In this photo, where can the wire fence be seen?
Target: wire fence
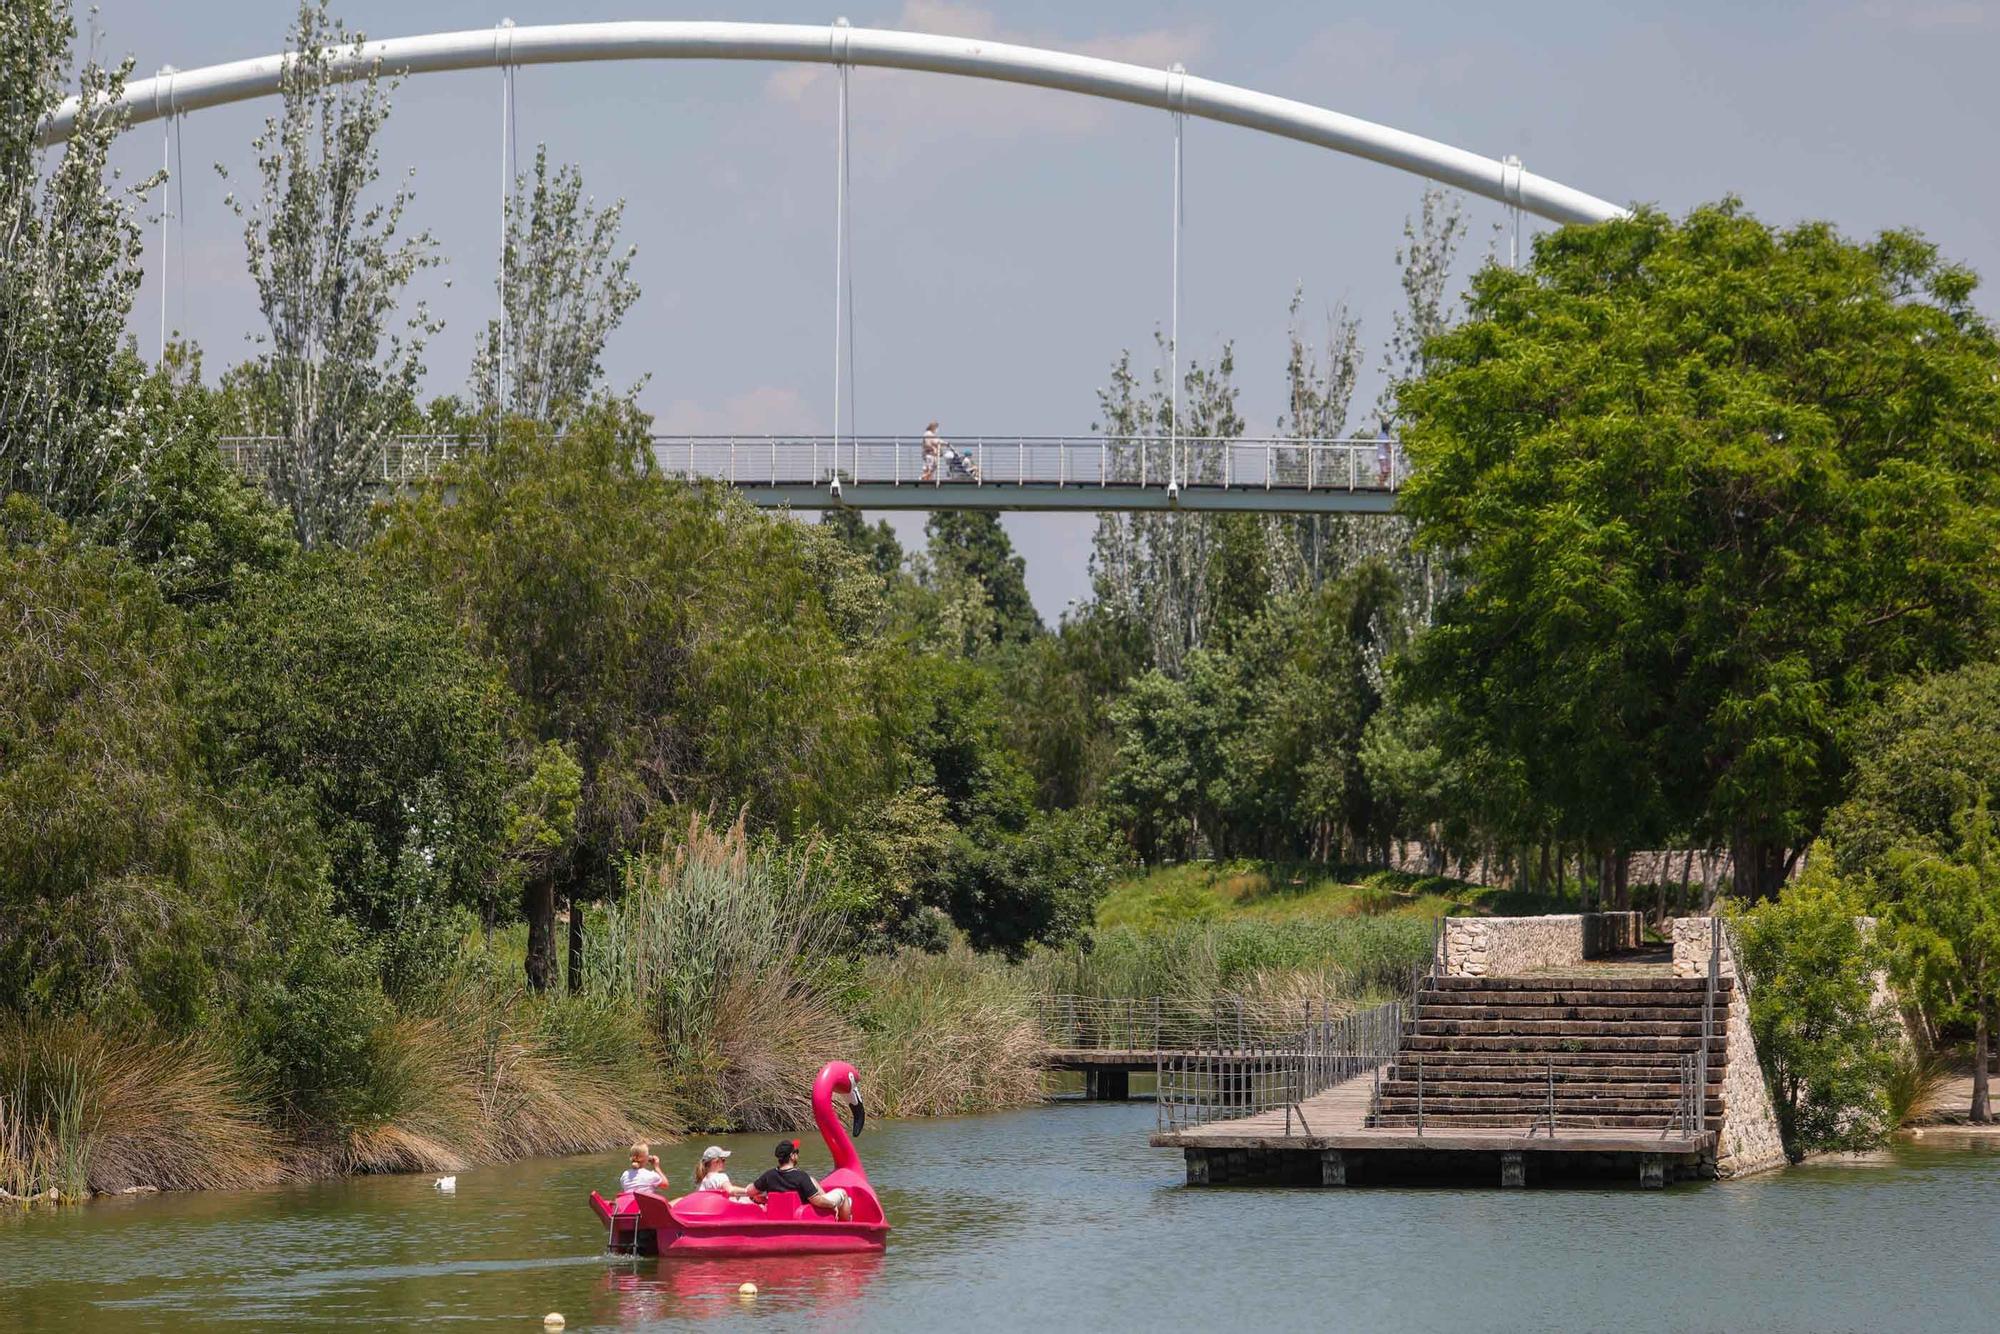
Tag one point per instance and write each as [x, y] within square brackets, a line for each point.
[1277, 1072]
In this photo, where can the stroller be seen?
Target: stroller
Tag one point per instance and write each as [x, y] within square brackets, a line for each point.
[960, 464]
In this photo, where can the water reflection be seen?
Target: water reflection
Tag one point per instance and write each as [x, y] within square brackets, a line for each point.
[685, 1286]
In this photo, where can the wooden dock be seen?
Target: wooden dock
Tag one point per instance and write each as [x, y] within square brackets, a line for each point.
[1326, 1140]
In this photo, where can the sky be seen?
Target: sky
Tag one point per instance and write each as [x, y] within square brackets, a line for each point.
[1009, 242]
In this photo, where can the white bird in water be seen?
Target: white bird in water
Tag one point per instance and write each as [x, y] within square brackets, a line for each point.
[446, 1184]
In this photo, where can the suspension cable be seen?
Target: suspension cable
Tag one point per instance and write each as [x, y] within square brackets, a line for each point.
[837, 43]
[1177, 77]
[503, 42]
[847, 254]
[167, 173]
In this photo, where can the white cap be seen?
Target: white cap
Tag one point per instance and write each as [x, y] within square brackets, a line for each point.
[714, 1151]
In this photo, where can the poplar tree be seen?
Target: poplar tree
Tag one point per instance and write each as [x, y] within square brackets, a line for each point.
[564, 286]
[69, 269]
[332, 381]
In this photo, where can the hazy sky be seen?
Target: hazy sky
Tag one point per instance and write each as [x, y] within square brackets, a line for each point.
[1008, 242]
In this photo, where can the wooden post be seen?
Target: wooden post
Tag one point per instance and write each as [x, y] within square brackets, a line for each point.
[1332, 1167]
[1197, 1166]
[1652, 1171]
[1513, 1171]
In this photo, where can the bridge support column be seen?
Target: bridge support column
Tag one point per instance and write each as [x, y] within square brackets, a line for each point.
[1652, 1171]
[1107, 1085]
[1513, 1171]
[1332, 1167]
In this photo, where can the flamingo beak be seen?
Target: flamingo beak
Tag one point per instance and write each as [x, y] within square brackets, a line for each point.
[860, 1112]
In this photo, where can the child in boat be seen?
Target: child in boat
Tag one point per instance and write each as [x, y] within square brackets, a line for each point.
[788, 1175]
[710, 1176]
[644, 1173]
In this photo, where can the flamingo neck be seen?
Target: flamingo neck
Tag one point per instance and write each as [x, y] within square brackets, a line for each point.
[838, 1144]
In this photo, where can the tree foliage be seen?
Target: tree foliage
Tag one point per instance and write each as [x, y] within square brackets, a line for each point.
[69, 253]
[564, 286]
[332, 382]
[1710, 488]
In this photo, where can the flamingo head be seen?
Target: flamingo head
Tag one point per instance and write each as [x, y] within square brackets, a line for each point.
[844, 1082]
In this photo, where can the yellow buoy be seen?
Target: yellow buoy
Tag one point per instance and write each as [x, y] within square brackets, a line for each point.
[553, 1320]
[747, 1290]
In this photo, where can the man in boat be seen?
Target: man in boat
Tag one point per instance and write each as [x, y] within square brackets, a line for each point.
[788, 1175]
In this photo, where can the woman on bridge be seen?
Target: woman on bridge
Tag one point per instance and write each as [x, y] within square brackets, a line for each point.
[933, 451]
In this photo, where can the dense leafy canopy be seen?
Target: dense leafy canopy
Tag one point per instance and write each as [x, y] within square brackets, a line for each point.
[1707, 489]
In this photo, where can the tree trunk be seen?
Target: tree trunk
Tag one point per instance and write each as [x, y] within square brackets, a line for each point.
[1621, 871]
[1981, 1035]
[538, 905]
[575, 943]
[1759, 868]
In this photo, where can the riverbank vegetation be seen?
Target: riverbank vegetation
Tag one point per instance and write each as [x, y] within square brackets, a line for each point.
[548, 801]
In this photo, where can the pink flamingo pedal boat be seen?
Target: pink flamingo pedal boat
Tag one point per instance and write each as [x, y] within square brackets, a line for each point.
[709, 1222]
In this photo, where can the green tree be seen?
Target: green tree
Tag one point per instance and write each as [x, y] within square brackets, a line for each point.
[1710, 488]
[673, 640]
[331, 383]
[357, 691]
[970, 545]
[875, 543]
[564, 286]
[69, 268]
[1944, 917]
[1826, 1047]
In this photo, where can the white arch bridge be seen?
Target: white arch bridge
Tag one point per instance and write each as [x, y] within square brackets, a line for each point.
[880, 472]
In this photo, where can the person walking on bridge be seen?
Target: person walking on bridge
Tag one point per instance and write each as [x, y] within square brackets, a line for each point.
[933, 451]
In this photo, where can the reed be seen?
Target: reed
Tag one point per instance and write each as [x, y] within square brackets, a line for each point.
[733, 954]
[948, 1033]
[1914, 1085]
[83, 1110]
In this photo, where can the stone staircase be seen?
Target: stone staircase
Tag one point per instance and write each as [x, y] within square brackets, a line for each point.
[1606, 1049]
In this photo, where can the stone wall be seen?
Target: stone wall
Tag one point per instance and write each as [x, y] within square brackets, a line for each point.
[1509, 946]
[1750, 1141]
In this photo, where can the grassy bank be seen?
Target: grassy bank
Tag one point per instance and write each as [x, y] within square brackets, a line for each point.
[1278, 892]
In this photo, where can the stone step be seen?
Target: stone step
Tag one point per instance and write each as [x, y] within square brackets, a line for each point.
[1561, 996]
[1613, 1064]
[1563, 1029]
[1528, 1107]
[1472, 1121]
[1558, 1043]
[1405, 1085]
[1694, 984]
[1646, 1082]
[1678, 1014]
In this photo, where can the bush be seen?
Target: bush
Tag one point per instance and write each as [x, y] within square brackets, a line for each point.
[1827, 1048]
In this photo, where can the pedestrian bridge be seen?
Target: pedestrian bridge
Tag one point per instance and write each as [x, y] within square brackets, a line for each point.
[1095, 473]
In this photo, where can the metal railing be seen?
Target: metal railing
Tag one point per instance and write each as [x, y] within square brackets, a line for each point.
[1168, 1023]
[1255, 463]
[1278, 1072]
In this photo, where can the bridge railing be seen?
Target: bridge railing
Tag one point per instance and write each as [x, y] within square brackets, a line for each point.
[1277, 1072]
[1169, 1023]
[1272, 463]
[1268, 463]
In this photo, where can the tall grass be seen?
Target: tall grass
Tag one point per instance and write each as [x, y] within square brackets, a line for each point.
[1354, 957]
[948, 1033]
[1915, 1085]
[82, 1110]
[733, 954]
[487, 1073]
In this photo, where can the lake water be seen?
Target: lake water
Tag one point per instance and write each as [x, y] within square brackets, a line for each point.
[1054, 1218]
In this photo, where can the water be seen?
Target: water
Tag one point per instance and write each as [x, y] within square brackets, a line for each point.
[1055, 1218]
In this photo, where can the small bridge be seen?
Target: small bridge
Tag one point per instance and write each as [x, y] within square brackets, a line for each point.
[1246, 1046]
[1093, 473]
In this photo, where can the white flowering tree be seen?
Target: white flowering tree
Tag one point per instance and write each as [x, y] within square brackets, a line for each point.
[565, 284]
[69, 269]
[330, 264]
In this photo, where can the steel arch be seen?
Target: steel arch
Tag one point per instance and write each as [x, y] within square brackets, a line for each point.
[178, 92]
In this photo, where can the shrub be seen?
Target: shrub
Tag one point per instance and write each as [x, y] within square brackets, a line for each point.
[1826, 1046]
